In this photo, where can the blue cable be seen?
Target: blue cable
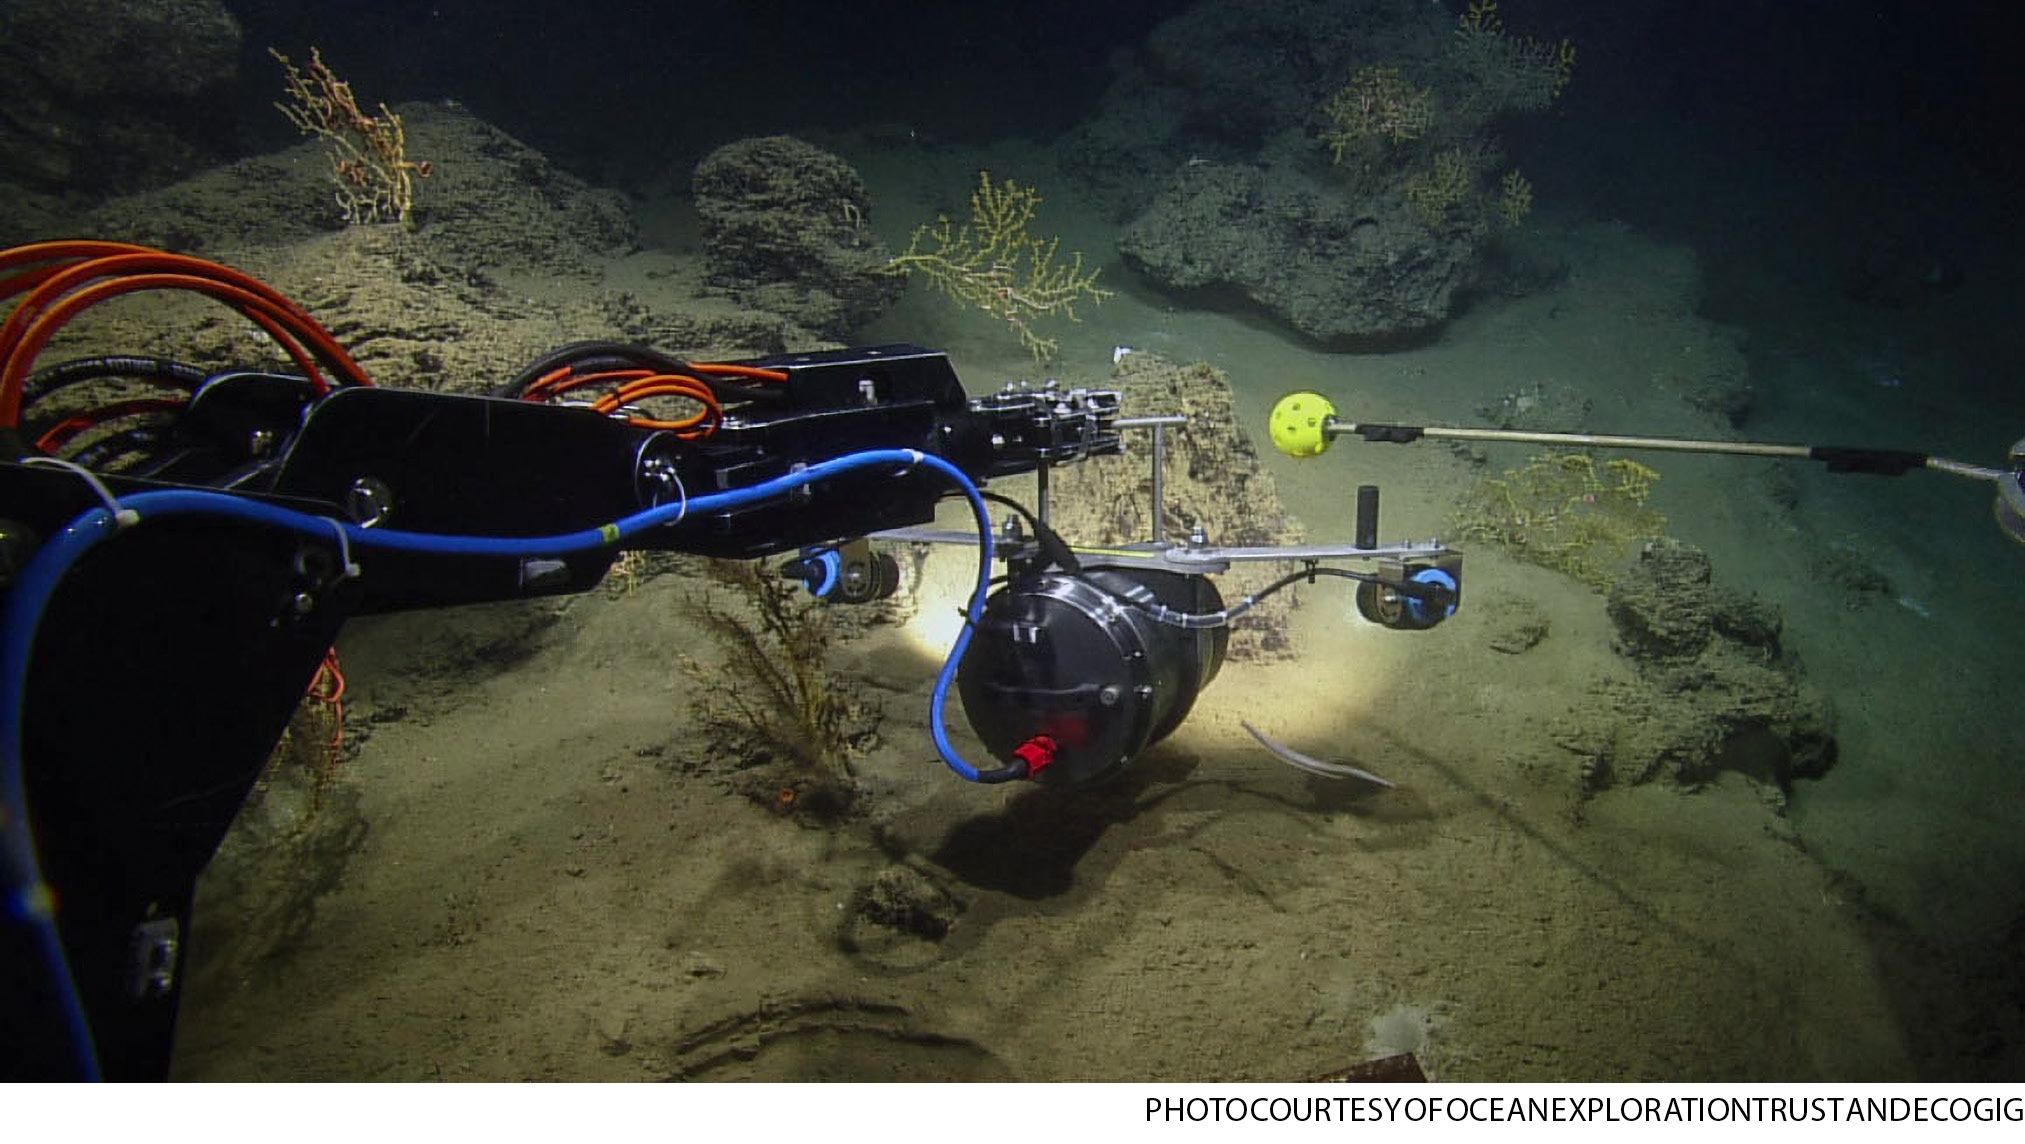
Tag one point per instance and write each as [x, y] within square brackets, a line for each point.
[28, 897]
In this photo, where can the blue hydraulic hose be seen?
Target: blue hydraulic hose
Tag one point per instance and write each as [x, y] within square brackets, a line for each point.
[28, 897]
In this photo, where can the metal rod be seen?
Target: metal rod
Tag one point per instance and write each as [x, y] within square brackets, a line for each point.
[1159, 464]
[1335, 427]
[1964, 469]
[1159, 425]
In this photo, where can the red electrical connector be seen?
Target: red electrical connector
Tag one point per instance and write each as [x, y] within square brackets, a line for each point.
[1037, 753]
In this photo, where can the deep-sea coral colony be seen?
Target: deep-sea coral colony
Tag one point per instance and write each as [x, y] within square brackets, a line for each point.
[1515, 198]
[1511, 74]
[1565, 511]
[1443, 184]
[773, 689]
[994, 264]
[1372, 120]
[368, 153]
[1377, 105]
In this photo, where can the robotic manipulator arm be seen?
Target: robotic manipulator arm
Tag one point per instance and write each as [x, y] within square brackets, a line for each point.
[179, 548]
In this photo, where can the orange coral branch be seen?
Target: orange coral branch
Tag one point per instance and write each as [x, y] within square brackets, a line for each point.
[368, 153]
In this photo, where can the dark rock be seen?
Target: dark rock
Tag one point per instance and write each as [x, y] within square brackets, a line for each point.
[1712, 691]
[495, 204]
[1844, 567]
[1219, 139]
[1898, 269]
[102, 96]
[1663, 606]
[1727, 398]
[1340, 270]
[1518, 627]
[786, 230]
[1217, 79]
[903, 898]
[1560, 408]
[1747, 619]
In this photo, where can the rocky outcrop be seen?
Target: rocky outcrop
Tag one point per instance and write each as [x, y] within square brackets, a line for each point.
[1336, 164]
[1362, 273]
[785, 229]
[509, 258]
[102, 96]
[1711, 688]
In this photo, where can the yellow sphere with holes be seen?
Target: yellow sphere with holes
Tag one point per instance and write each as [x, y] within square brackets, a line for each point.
[1298, 422]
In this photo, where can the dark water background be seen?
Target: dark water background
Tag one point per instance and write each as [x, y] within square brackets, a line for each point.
[1769, 137]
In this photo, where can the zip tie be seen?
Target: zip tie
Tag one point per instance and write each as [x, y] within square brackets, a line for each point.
[681, 491]
[122, 516]
[350, 569]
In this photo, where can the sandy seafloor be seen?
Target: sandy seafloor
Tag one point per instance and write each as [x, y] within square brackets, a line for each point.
[541, 894]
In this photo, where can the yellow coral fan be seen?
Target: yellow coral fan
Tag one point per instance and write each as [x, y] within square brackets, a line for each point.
[1511, 74]
[1565, 511]
[1377, 104]
[1479, 20]
[1515, 198]
[1447, 183]
[995, 265]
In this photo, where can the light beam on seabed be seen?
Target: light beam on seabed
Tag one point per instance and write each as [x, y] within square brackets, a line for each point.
[1341, 670]
[943, 591]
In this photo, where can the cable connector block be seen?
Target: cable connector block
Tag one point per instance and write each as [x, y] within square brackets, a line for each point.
[1038, 753]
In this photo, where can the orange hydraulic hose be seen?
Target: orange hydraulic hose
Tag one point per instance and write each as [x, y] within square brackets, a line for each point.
[38, 331]
[560, 381]
[75, 265]
[731, 370]
[327, 686]
[631, 385]
[46, 291]
[63, 251]
[701, 423]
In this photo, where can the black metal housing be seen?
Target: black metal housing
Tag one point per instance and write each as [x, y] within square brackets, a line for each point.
[1065, 656]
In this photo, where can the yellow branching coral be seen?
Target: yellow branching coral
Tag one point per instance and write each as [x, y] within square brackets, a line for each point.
[1377, 104]
[1432, 146]
[1443, 185]
[1479, 22]
[995, 265]
[1513, 74]
[368, 153]
[1565, 511]
[1515, 198]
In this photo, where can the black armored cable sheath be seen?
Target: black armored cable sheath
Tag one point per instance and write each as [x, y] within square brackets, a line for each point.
[1054, 550]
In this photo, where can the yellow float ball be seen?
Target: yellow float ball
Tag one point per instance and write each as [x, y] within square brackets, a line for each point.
[1297, 424]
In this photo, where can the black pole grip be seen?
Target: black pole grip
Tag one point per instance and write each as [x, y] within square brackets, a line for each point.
[1881, 462]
